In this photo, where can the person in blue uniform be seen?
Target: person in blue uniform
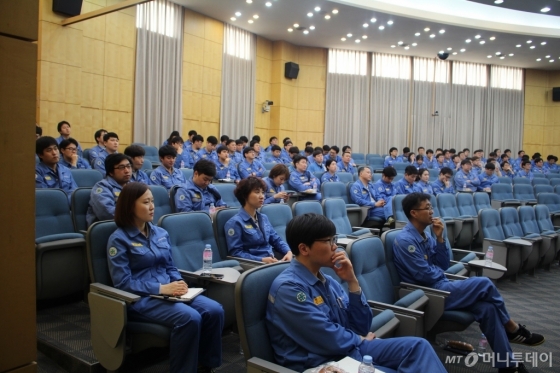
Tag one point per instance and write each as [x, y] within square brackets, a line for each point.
[64, 130]
[225, 168]
[487, 178]
[406, 184]
[312, 320]
[187, 145]
[447, 161]
[476, 166]
[209, 151]
[316, 163]
[136, 154]
[285, 153]
[438, 163]
[198, 193]
[275, 191]
[429, 160]
[304, 181]
[105, 193]
[184, 159]
[271, 142]
[111, 143]
[362, 193]
[525, 171]
[195, 148]
[333, 154]
[275, 155]
[423, 185]
[94, 152]
[249, 234]
[345, 165]
[420, 259]
[259, 154]
[70, 158]
[404, 156]
[48, 172]
[507, 170]
[551, 163]
[391, 158]
[140, 262]
[516, 163]
[166, 174]
[331, 175]
[443, 184]
[172, 135]
[250, 166]
[465, 180]
[385, 190]
[539, 168]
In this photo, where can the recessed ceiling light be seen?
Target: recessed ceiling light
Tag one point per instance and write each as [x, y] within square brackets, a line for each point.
[529, 41]
[551, 61]
[249, 1]
[296, 25]
[306, 32]
[492, 38]
[400, 43]
[268, 3]
[389, 22]
[310, 14]
[382, 27]
[441, 51]
[502, 57]
[407, 47]
[518, 46]
[366, 25]
[547, 56]
[417, 34]
[538, 59]
[498, 1]
[233, 19]
[343, 39]
[532, 47]
[449, 49]
[373, 20]
[349, 35]
[543, 43]
[498, 53]
[250, 21]
[477, 37]
[256, 16]
[238, 14]
[462, 50]
[433, 36]
[317, 9]
[427, 29]
[327, 16]
[468, 41]
[312, 28]
[489, 56]
[511, 54]
[357, 40]
[335, 11]
[482, 42]
[364, 36]
[290, 29]
[545, 9]
[442, 31]
[454, 53]
[414, 44]
[393, 46]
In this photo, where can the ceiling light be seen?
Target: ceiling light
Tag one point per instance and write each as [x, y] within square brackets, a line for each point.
[327, 16]
[501, 58]
[427, 29]
[462, 50]
[538, 59]
[417, 34]
[489, 56]
[357, 40]
[310, 14]
[532, 47]
[256, 16]
[400, 43]
[482, 42]
[477, 37]
[545, 9]
[441, 52]
[290, 29]
[492, 38]
[442, 31]
[543, 43]
[343, 39]
[312, 28]
[547, 56]
[233, 19]
[449, 49]
[529, 41]
[498, 53]
[414, 44]
[518, 46]
[238, 14]
[335, 11]
[468, 41]
[551, 61]
[498, 1]
[296, 25]
[364, 37]
[317, 9]
[433, 36]
[393, 46]
[389, 22]
[365, 25]
[382, 27]
[306, 32]
[407, 47]
[250, 21]
[268, 3]
[373, 20]
[511, 54]
[454, 53]
[349, 35]
[249, 1]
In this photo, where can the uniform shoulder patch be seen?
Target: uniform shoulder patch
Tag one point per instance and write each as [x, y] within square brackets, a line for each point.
[113, 251]
[231, 232]
[153, 177]
[411, 248]
[182, 197]
[98, 190]
[36, 176]
[301, 297]
[99, 163]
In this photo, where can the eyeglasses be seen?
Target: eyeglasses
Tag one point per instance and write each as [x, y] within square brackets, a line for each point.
[331, 241]
[123, 166]
[71, 149]
[427, 208]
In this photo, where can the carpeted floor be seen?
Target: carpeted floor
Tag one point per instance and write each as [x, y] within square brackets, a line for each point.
[531, 301]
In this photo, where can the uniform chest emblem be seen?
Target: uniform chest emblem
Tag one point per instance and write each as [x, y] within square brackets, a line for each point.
[98, 190]
[197, 195]
[318, 300]
[153, 178]
[182, 197]
[301, 297]
[380, 189]
[248, 226]
[47, 177]
[112, 251]
[136, 244]
[230, 232]
[411, 249]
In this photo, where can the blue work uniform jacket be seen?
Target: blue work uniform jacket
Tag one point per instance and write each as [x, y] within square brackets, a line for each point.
[94, 153]
[403, 187]
[141, 177]
[439, 187]
[222, 171]
[525, 174]
[103, 200]
[99, 162]
[302, 181]
[245, 239]
[346, 168]
[316, 167]
[46, 177]
[389, 161]
[273, 159]
[189, 197]
[487, 181]
[271, 190]
[184, 160]
[327, 177]
[82, 164]
[246, 169]
[160, 176]
[80, 152]
[470, 180]
[423, 187]
[205, 154]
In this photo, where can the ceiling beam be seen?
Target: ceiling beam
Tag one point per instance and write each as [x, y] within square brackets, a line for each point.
[102, 11]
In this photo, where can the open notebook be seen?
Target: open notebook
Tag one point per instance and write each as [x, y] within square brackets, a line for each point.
[185, 298]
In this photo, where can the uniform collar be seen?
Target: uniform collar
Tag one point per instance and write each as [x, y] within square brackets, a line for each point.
[303, 272]
[133, 231]
[113, 182]
[412, 230]
[245, 216]
[47, 168]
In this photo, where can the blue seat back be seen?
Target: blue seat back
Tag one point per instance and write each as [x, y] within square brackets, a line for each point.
[490, 224]
[434, 202]
[376, 177]
[523, 192]
[226, 191]
[334, 190]
[541, 188]
[502, 192]
[521, 180]
[86, 178]
[269, 165]
[376, 162]
[505, 180]
[345, 177]
[161, 202]
[52, 213]
[398, 177]
[433, 174]
[542, 214]
[528, 220]
[80, 204]
[220, 220]
[537, 175]
[552, 200]
[307, 207]
[318, 174]
[481, 201]
[335, 210]
[388, 238]
[359, 158]
[557, 189]
[147, 165]
[400, 166]
[251, 299]
[465, 204]
[279, 215]
[368, 259]
[187, 173]
[398, 211]
[447, 205]
[510, 222]
[85, 154]
[151, 153]
[540, 180]
[97, 238]
[554, 181]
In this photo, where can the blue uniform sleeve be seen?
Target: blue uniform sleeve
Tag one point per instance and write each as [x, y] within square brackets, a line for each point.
[99, 165]
[243, 172]
[102, 202]
[183, 201]
[297, 185]
[234, 240]
[357, 197]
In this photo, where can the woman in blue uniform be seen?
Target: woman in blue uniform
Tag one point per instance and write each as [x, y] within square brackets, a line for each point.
[275, 191]
[140, 262]
[249, 234]
[423, 183]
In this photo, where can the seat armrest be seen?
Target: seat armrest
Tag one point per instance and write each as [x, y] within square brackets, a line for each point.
[533, 239]
[461, 218]
[477, 253]
[188, 274]
[374, 231]
[495, 242]
[425, 289]
[247, 261]
[395, 309]
[517, 242]
[256, 364]
[112, 292]
[61, 244]
[455, 277]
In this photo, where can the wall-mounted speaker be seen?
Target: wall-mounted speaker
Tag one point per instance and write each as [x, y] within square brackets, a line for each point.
[556, 94]
[291, 70]
[67, 7]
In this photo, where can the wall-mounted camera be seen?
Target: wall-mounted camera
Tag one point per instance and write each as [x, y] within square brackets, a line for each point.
[266, 106]
[435, 114]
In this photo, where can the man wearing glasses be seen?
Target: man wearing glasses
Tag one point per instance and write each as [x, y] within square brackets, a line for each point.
[104, 194]
[443, 184]
[422, 260]
[311, 319]
[48, 172]
[70, 158]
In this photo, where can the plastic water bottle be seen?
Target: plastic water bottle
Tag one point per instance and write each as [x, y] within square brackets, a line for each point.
[182, 164]
[207, 260]
[489, 256]
[482, 345]
[465, 186]
[212, 209]
[366, 366]
[314, 185]
[228, 175]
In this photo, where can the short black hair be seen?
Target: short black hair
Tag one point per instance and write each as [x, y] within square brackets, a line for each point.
[246, 186]
[197, 138]
[362, 169]
[410, 170]
[329, 161]
[247, 150]
[306, 229]
[229, 141]
[64, 143]
[466, 150]
[224, 138]
[238, 142]
[308, 143]
[114, 159]
[275, 147]
[439, 155]
[465, 161]
[192, 133]
[294, 150]
[446, 171]
[220, 149]
[172, 135]
[552, 157]
[298, 158]
[212, 140]
[335, 148]
[288, 142]
[539, 159]
[389, 172]
[272, 138]
[420, 147]
[61, 123]
[205, 167]
[253, 142]
[244, 139]
[521, 151]
[490, 166]
[326, 148]
[38, 131]
[309, 150]
[176, 140]
[429, 151]
[110, 135]
[167, 150]
[44, 142]
[346, 147]
[412, 201]
[98, 133]
[393, 149]
[406, 149]
[452, 151]
[134, 151]
[317, 152]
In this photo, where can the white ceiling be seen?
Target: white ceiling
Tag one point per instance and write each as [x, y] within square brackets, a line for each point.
[460, 19]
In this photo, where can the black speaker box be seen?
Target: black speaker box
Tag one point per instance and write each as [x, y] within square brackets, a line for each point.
[291, 71]
[556, 94]
[67, 7]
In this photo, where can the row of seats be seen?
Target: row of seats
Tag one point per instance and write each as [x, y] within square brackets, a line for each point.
[524, 194]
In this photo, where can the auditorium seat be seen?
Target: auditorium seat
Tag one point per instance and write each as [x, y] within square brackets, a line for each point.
[86, 178]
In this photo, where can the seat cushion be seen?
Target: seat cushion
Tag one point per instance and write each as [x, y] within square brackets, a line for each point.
[135, 327]
[226, 264]
[408, 299]
[383, 318]
[459, 316]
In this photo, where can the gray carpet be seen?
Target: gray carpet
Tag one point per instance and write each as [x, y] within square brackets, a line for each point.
[530, 301]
